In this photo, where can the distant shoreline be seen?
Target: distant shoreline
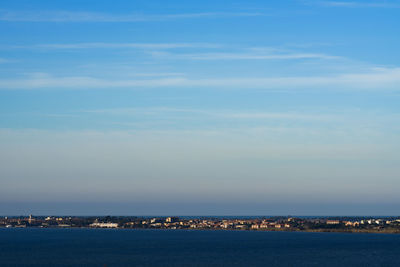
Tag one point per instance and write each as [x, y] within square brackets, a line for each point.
[272, 224]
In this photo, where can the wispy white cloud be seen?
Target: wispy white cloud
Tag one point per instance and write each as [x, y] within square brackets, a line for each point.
[251, 53]
[220, 113]
[75, 16]
[43, 80]
[157, 74]
[246, 56]
[157, 50]
[361, 4]
[276, 115]
[3, 60]
[375, 79]
[121, 45]
[245, 53]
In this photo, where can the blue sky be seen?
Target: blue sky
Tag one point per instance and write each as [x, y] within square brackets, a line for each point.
[206, 108]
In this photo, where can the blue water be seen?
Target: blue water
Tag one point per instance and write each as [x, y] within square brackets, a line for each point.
[96, 247]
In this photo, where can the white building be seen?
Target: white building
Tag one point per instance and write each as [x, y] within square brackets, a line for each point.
[104, 225]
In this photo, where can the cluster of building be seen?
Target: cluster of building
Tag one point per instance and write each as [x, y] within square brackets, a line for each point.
[206, 223]
[273, 223]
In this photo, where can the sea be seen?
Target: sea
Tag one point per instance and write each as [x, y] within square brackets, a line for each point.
[120, 247]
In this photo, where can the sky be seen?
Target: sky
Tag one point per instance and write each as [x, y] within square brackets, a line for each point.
[199, 107]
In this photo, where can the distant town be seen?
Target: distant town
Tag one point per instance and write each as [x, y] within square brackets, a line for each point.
[309, 224]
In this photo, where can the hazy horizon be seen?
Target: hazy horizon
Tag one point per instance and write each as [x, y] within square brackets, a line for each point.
[211, 108]
[202, 210]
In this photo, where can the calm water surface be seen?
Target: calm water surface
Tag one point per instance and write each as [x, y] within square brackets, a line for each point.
[96, 247]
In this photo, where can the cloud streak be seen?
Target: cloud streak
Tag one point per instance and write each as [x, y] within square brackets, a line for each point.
[363, 4]
[247, 56]
[100, 45]
[222, 114]
[71, 16]
[376, 79]
[3, 60]
[269, 53]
